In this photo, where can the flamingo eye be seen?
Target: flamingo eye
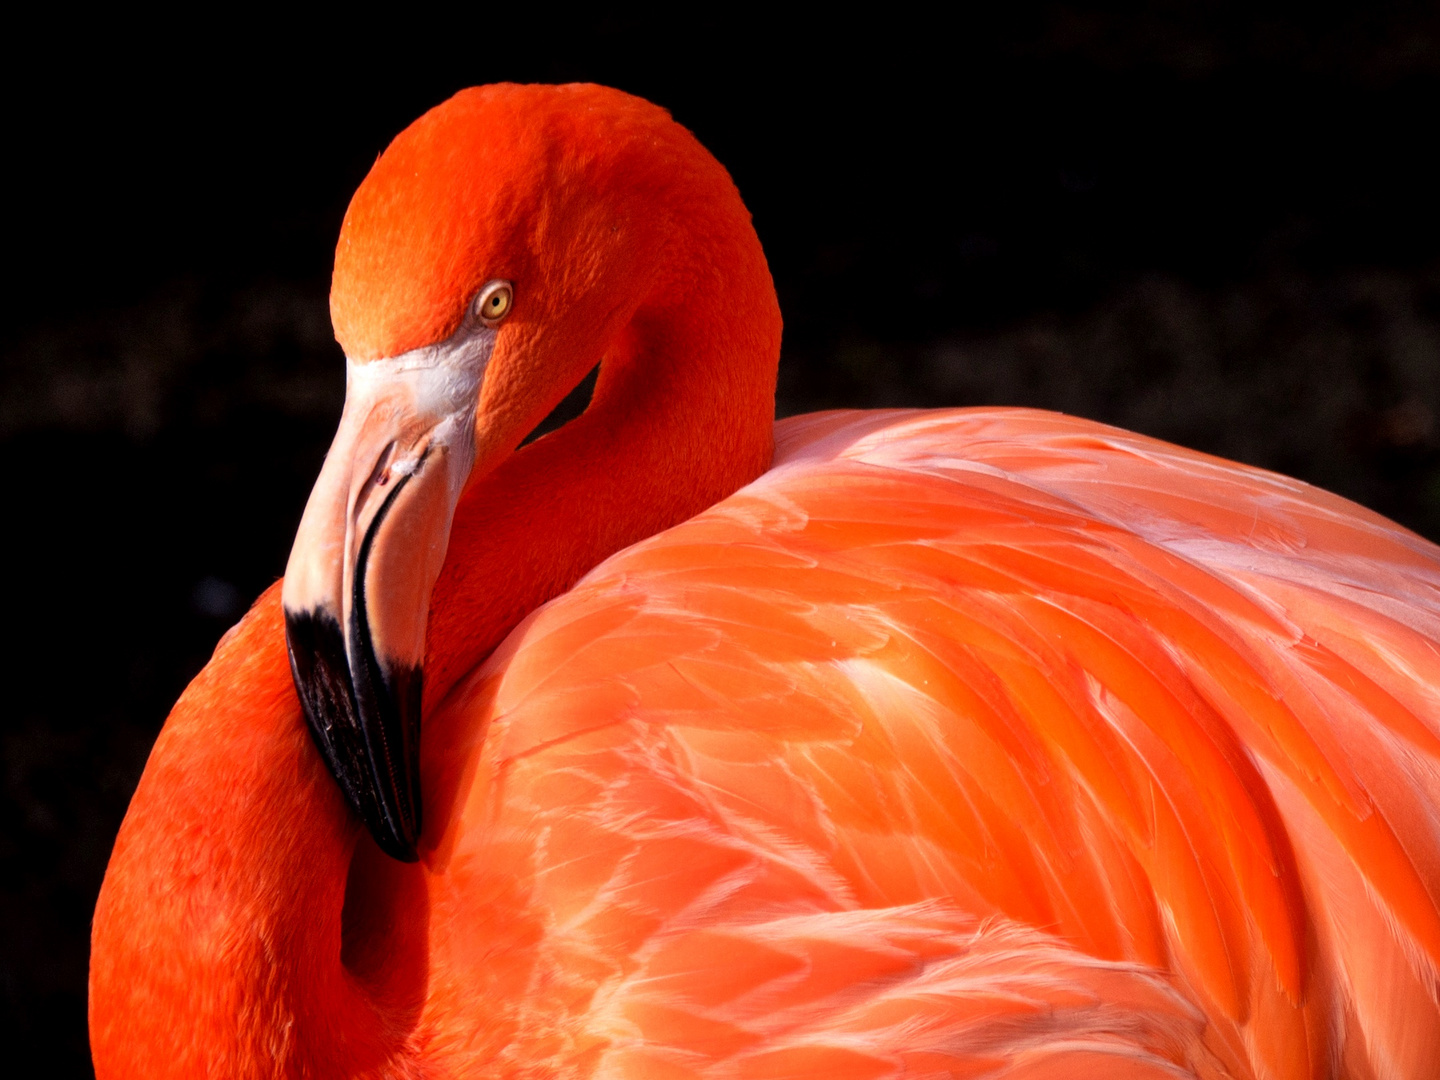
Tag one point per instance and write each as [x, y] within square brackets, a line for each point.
[494, 301]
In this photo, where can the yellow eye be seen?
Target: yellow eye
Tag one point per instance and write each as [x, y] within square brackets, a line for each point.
[494, 301]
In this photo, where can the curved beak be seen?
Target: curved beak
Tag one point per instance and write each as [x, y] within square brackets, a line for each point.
[357, 587]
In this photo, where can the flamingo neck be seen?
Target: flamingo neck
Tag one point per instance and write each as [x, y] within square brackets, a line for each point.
[682, 416]
[217, 940]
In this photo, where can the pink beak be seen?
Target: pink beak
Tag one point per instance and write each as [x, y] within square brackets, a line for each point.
[368, 551]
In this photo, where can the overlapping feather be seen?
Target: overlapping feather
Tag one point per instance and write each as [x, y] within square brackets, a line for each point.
[984, 742]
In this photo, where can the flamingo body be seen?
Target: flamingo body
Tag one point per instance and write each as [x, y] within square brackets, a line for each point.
[959, 741]
[970, 743]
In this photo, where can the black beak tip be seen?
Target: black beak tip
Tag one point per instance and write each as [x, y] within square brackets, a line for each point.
[365, 722]
[398, 847]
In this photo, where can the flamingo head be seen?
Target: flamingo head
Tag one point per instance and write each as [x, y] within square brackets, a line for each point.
[494, 252]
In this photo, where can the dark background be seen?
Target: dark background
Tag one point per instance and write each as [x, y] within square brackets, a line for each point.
[1212, 223]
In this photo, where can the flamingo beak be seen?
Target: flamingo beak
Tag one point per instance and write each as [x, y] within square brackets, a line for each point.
[357, 587]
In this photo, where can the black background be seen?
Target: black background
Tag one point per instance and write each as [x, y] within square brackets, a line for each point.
[1212, 223]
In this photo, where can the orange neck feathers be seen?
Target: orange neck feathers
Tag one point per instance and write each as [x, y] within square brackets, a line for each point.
[628, 245]
[216, 942]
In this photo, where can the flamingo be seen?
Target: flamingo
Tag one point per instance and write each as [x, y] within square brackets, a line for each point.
[682, 743]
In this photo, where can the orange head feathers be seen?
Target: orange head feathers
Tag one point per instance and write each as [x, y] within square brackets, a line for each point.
[572, 190]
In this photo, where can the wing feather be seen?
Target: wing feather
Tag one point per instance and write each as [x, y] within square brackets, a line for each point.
[968, 743]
